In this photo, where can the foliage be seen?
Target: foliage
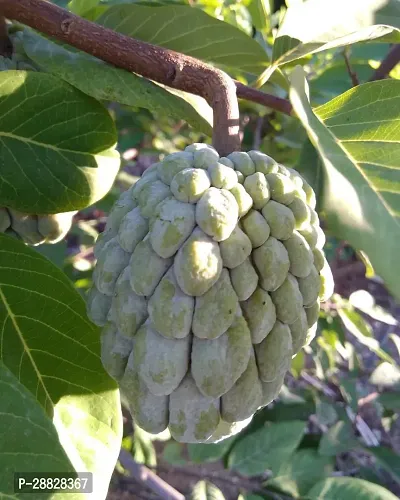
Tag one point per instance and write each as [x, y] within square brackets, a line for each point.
[76, 131]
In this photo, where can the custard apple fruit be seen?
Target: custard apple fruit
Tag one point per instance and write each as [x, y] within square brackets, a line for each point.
[35, 229]
[209, 278]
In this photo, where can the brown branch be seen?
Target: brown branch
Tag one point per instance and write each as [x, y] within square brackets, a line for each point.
[155, 63]
[386, 66]
[148, 478]
[271, 101]
[352, 74]
[6, 47]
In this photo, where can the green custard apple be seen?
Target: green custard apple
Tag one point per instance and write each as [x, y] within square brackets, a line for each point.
[209, 278]
[35, 229]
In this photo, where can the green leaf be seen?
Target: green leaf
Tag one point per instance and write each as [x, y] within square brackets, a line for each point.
[298, 363]
[390, 401]
[56, 145]
[298, 474]
[200, 453]
[172, 454]
[260, 11]
[190, 31]
[360, 329]
[266, 448]
[53, 349]
[325, 412]
[142, 448]
[80, 7]
[339, 438]
[29, 441]
[108, 83]
[318, 25]
[358, 140]
[203, 490]
[348, 488]
[386, 376]
[387, 459]
[365, 302]
[310, 166]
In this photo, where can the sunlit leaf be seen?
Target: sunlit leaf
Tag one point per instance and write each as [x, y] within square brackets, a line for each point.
[358, 140]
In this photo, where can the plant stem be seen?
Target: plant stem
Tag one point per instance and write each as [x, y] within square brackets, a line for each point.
[386, 66]
[155, 63]
[149, 478]
[5, 43]
[352, 74]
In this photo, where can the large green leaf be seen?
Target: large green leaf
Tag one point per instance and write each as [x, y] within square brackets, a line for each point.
[190, 31]
[317, 25]
[339, 438]
[357, 137]
[48, 343]
[109, 83]
[387, 459]
[348, 488]
[56, 145]
[298, 474]
[28, 439]
[200, 453]
[266, 448]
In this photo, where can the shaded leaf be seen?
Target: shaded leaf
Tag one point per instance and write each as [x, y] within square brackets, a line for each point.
[387, 459]
[53, 349]
[339, 438]
[109, 83]
[357, 138]
[200, 453]
[298, 474]
[266, 448]
[190, 31]
[67, 163]
[390, 400]
[326, 413]
[348, 488]
[172, 454]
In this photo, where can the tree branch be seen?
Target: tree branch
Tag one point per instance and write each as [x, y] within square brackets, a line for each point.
[155, 63]
[6, 47]
[386, 66]
[352, 74]
[147, 477]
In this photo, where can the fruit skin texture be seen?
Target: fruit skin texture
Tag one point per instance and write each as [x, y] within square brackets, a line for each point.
[35, 229]
[208, 281]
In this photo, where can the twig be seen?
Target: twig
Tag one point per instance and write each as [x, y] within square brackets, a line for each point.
[6, 47]
[366, 433]
[353, 75]
[268, 100]
[258, 133]
[386, 66]
[318, 385]
[149, 478]
[156, 63]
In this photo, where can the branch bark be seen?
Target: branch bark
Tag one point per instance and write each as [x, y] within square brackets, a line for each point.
[386, 66]
[5, 43]
[147, 477]
[155, 63]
